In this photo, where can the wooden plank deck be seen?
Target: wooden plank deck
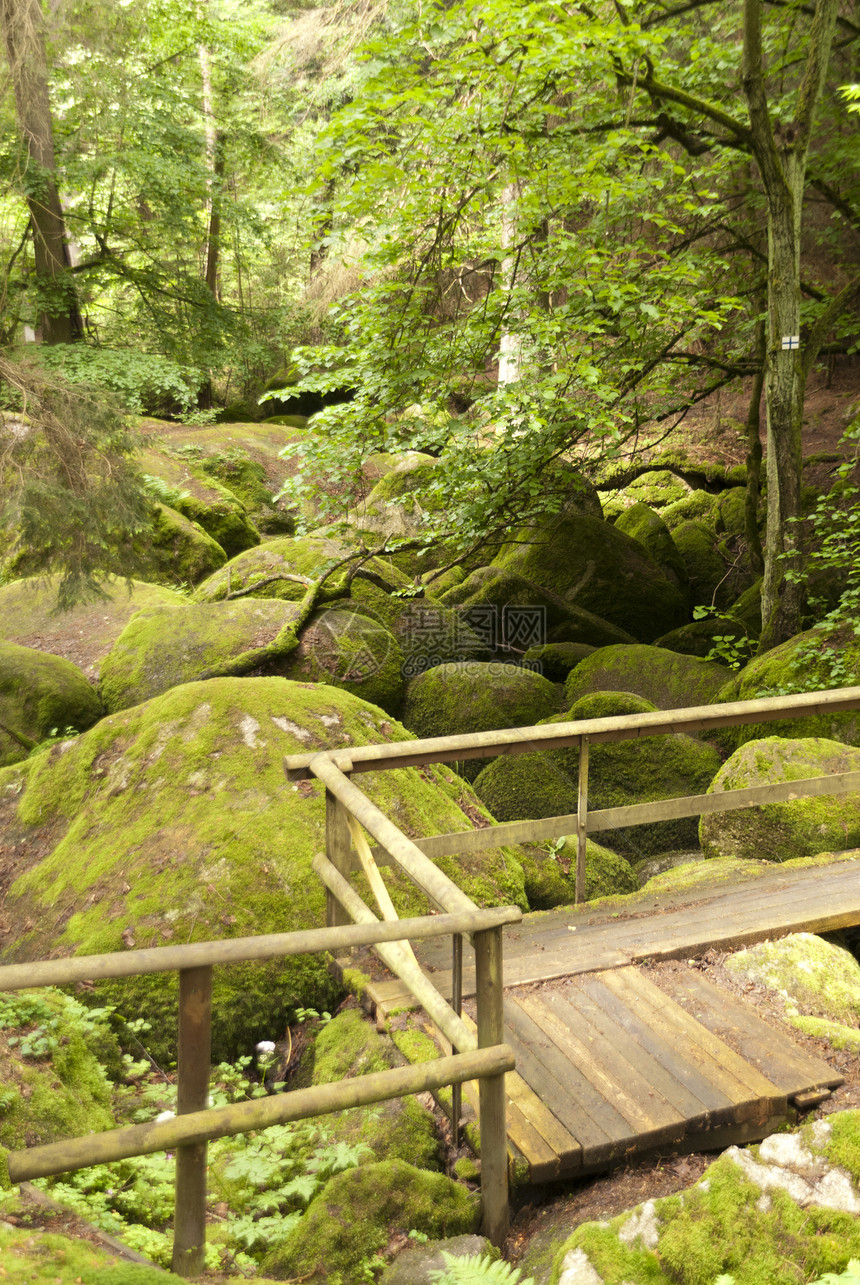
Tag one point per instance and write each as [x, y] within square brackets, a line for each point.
[610, 1065]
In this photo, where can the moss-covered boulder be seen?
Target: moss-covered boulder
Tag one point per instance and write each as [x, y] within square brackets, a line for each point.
[550, 873]
[773, 1214]
[86, 633]
[171, 821]
[556, 660]
[177, 550]
[357, 1212]
[40, 695]
[717, 638]
[33, 1257]
[729, 512]
[779, 831]
[476, 697]
[666, 678]
[696, 506]
[620, 772]
[592, 565]
[811, 661]
[817, 980]
[346, 648]
[247, 480]
[397, 1129]
[52, 1085]
[514, 598]
[202, 498]
[641, 523]
[706, 566]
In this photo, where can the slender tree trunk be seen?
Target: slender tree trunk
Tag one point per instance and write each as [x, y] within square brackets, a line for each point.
[23, 33]
[754, 454]
[213, 243]
[781, 161]
[509, 343]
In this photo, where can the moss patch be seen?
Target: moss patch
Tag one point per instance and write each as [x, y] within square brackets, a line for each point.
[357, 1212]
[545, 783]
[172, 821]
[476, 697]
[34, 1258]
[779, 831]
[40, 694]
[51, 1084]
[590, 564]
[178, 551]
[641, 523]
[815, 977]
[667, 679]
[85, 634]
[550, 876]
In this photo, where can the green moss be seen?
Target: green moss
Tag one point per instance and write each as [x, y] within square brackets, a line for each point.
[668, 679]
[837, 1034]
[345, 648]
[591, 565]
[811, 661]
[171, 821]
[706, 567]
[699, 639]
[697, 506]
[505, 589]
[720, 1225]
[811, 973]
[550, 877]
[40, 693]
[843, 1144]
[729, 512]
[45, 1258]
[656, 767]
[400, 1128]
[658, 487]
[178, 551]
[642, 524]
[779, 831]
[357, 1212]
[476, 697]
[63, 1091]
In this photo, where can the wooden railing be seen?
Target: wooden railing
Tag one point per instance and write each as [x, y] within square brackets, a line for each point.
[486, 1060]
[349, 812]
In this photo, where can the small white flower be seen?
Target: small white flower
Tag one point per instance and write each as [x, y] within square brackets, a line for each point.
[265, 1048]
[165, 1116]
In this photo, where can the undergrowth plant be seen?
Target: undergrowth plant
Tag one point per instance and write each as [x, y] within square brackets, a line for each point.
[265, 1180]
[477, 1269]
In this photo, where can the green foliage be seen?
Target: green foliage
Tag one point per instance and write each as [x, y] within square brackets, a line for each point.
[477, 1268]
[143, 382]
[41, 1023]
[71, 496]
[850, 1276]
[728, 648]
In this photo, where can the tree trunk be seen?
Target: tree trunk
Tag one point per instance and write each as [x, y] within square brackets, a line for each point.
[754, 453]
[23, 33]
[781, 161]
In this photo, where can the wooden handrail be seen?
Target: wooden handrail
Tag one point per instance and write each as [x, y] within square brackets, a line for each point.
[549, 736]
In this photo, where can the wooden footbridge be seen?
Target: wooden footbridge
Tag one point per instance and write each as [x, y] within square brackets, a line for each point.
[577, 1050]
[613, 1060]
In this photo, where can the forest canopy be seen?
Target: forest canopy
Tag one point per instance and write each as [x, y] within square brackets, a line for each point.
[505, 234]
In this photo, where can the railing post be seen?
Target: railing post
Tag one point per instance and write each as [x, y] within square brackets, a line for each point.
[193, 1066]
[338, 846]
[457, 1005]
[494, 1140]
[582, 820]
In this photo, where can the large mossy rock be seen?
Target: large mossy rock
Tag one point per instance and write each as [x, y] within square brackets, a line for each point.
[817, 980]
[703, 638]
[780, 831]
[356, 1214]
[705, 566]
[556, 660]
[474, 697]
[641, 523]
[168, 646]
[202, 498]
[52, 1083]
[177, 550]
[593, 566]
[666, 678]
[172, 821]
[772, 1214]
[396, 1129]
[550, 875]
[40, 694]
[84, 634]
[811, 661]
[545, 783]
[513, 599]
